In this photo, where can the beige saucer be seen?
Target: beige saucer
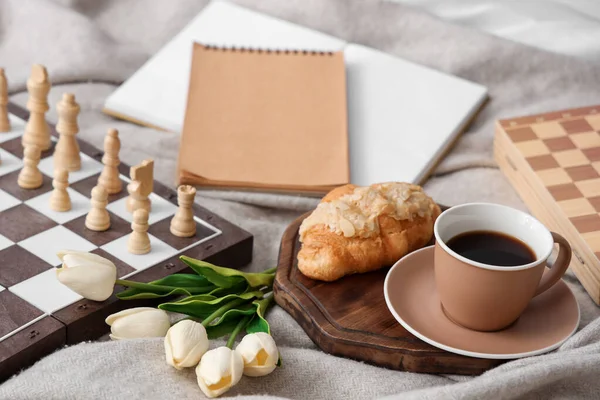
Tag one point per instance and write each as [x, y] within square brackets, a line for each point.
[410, 294]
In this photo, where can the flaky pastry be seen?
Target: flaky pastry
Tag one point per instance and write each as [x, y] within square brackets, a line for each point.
[360, 229]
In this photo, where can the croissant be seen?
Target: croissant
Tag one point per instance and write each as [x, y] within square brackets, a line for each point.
[360, 229]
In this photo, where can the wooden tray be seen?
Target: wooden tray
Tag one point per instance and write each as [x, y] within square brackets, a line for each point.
[349, 318]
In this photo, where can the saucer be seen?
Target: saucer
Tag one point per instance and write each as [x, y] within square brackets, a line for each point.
[411, 295]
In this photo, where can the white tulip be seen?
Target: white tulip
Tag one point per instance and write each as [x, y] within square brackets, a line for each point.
[140, 322]
[260, 354]
[219, 370]
[185, 344]
[87, 274]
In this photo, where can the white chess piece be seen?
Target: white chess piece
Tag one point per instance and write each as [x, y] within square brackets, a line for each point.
[66, 154]
[4, 121]
[137, 200]
[30, 176]
[109, 178]
[183, 224]
[37, 132]
[139, 241]
[98, 218]
[142, 184]
[59, 199]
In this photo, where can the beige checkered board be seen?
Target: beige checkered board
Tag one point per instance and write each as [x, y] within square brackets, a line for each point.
[553, 161]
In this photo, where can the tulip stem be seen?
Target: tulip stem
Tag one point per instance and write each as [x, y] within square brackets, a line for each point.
[269, 271]
[152, 288]
[241, 325]
[221, 310]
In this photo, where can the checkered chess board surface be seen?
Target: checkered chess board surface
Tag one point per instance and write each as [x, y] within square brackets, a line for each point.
[31, 234]
[564, 151]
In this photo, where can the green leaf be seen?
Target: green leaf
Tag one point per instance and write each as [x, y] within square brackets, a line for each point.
[183, 280]
[135, 294]
[176, 284]
[259, 323]
[238, 288]
[201, 307]
[217, 331]
[227, 277]
[228, 321]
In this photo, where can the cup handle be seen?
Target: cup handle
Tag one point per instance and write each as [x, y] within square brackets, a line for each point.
[558, 267]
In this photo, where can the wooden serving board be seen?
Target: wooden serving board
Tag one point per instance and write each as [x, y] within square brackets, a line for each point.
[349, 318]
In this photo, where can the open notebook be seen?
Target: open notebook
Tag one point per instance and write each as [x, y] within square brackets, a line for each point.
[402, 117]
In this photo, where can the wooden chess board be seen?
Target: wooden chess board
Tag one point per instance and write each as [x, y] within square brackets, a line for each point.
[553, 161]
[37, 313]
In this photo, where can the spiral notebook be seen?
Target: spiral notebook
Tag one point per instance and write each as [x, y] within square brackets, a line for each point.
[401, 117]
[271, 120]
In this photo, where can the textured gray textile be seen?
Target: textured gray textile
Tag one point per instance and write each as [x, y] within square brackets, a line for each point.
[103, 42]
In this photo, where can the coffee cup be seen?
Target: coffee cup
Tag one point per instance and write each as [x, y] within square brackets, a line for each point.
[488, 295]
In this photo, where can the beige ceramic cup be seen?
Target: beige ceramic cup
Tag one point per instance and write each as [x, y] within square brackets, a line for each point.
[487, 297]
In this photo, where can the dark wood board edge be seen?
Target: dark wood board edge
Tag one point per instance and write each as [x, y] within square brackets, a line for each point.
[24, 348]
[417, 356]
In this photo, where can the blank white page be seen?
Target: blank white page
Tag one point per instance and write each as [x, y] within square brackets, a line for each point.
[402, 116]
[157, 93]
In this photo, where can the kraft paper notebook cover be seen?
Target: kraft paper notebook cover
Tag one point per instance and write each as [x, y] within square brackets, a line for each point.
[260, 119]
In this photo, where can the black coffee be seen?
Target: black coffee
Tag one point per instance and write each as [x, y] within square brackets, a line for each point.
[492, 248]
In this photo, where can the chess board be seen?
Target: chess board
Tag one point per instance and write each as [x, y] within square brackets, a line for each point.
[553, 161]
[37, 313]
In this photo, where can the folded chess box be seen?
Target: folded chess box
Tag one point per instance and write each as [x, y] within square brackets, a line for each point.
[553, 161]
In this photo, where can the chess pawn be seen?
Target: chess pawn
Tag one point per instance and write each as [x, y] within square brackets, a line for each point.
[98, 219]
[30, 176]
[109, 178]
[136, 199]
[4, 121]
[59, 199]
[37, 132]
[183, 224]
[139, 241]
[66, 154]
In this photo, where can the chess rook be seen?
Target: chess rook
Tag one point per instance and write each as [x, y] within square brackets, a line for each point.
[109, 178]
[183, 224]
[37, 132]
[4, 121]
[139, 241]
[30, 176]
[98, 218]
[59, 199]
[66, 154]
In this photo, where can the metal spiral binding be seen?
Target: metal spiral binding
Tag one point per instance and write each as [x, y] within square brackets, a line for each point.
[242, 49]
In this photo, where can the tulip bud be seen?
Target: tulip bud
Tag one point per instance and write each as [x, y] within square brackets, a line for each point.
[219, 370]
[185, 344]
[87, 274]
[260, 354]
[140, 322]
